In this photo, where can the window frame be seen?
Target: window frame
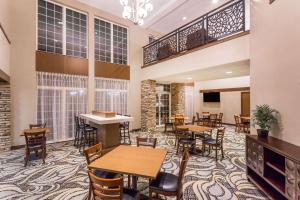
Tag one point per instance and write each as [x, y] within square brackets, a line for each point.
[64, 28]
[112, 41]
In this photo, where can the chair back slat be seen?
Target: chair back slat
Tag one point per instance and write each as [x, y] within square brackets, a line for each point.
[93, 153]
[146, 141]
[106, 188]
[236, 119]
[220, 116]
[213, 116]
[40, 125]
[179, 121]
[198, 116]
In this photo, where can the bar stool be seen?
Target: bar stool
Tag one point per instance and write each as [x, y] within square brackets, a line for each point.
[87, 135]
[124, 132]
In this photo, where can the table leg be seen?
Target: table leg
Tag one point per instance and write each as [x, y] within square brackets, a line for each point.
[134, 182]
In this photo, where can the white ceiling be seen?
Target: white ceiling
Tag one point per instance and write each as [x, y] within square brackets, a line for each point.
[238, 69]
[167, 14]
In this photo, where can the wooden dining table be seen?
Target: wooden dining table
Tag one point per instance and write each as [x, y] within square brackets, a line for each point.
[196, 129]
[131, 160]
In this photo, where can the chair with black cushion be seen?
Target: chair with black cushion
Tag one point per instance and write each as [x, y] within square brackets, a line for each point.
[143, 141]
[167, 184]
[215, 144]
[168, 123]
[35, 143]
[220, 120]
[238, 124]
[213, 119]
[88, 135]
[125, 132]
[186, 141]
[180, 133]
[110, 188]
[93, 153]
[40, 125]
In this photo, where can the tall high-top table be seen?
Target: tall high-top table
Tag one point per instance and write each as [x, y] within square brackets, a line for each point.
[108, 128]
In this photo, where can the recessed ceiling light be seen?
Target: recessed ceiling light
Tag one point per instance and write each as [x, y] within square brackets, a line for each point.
[229, 72]
[183, 18]
[189, 78]
[215, 1]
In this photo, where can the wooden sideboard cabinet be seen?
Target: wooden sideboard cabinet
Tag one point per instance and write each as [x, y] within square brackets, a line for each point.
[273, 166]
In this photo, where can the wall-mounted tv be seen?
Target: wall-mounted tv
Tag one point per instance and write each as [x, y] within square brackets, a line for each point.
[211, 97]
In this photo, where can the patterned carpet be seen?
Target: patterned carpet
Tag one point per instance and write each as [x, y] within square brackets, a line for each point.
[64, 175]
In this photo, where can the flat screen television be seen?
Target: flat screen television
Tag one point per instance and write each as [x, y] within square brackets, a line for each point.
[211, 97]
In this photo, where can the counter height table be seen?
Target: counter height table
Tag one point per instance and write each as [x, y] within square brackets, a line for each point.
[108, 128]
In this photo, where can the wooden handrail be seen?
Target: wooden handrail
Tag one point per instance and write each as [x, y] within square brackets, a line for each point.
[3, 31]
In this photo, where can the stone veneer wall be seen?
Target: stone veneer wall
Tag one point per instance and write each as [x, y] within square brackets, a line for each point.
[148, 115]
[177, 98]
[5, 137]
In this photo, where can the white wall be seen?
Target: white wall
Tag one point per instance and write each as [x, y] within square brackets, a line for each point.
[4, 45]
[230, 103]
[228, 52]
[275, 59]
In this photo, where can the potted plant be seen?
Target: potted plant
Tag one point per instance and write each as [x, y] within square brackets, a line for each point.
[264, 117]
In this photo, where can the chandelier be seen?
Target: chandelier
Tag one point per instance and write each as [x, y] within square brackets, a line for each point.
[136, 10]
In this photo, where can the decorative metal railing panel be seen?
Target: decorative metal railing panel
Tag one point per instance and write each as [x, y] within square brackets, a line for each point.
[227, 20]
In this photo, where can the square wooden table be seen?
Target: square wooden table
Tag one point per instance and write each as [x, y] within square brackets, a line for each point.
[136, 161]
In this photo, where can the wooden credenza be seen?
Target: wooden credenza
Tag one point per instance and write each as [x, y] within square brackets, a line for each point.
[273, 166]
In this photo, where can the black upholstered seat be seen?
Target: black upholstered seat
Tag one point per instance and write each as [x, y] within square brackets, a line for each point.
[165, 182]
[104, 174]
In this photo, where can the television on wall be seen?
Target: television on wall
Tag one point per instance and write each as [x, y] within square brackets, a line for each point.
[211, 97]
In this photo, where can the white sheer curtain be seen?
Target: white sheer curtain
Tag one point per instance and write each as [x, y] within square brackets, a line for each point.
[189, 101]
[60, 97]
[111, 95]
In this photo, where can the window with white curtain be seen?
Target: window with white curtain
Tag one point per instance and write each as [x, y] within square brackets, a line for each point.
[189, 101]
[60, 98]
[111, 95]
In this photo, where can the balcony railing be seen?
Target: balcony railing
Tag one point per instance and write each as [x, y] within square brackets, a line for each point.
[222, 22]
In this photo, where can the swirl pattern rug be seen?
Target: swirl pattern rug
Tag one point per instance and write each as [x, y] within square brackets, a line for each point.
[64, 175]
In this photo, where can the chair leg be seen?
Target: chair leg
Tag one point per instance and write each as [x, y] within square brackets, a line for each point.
[209, 148]
[177, 148]
[150, 194]
[222, 150]
[216, 154]
[26, 158]
[203, 148]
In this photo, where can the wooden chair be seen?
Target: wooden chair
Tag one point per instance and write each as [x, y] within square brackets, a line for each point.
[205, 118]
[150, 142]
[167, 184]
[213, 120]
[168, 123]
[198, 119]
[180, 133]
[112, 188]
[41, 125]
[35, 142]
[238, 124]
[220, 120]
[246, 123]
[215, 144]
[93, 153]
[179, 121]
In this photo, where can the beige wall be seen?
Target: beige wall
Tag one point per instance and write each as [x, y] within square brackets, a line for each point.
[24, 92]
[275, 59]
[4, 45]
[230, 103]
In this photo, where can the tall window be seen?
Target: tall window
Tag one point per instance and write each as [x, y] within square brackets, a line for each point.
[60, 98]
[61, 30]
[50, 27]
[111, 42]
[76, 34]
[111, 95]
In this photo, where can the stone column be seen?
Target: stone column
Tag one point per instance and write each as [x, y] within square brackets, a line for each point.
[148, 101]
[177, 98]
[5, 137]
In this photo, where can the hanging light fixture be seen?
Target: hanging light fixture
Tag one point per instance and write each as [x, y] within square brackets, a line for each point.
[136, 10]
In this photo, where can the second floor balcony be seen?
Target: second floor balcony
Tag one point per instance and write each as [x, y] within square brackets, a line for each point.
[225, 22]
